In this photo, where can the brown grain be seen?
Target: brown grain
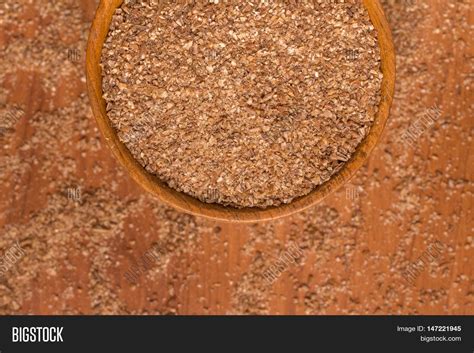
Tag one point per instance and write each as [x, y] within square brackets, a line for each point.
[244, 104]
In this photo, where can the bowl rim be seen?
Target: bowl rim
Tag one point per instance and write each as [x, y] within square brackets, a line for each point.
[183, 202]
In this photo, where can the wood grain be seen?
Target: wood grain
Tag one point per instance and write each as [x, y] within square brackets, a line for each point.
[356, 241]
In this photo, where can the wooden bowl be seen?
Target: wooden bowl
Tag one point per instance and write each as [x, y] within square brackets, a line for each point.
[183, 202]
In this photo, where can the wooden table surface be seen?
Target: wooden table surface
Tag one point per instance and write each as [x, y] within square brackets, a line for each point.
[83, 223]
